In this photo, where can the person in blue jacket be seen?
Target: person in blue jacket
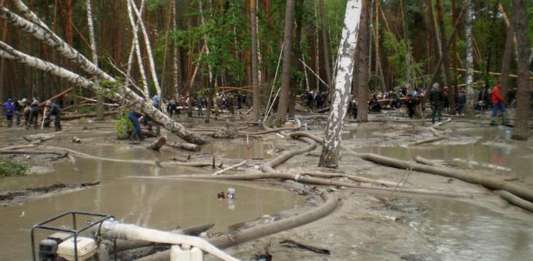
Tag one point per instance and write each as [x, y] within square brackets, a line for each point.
[9, 110]
[135, 118]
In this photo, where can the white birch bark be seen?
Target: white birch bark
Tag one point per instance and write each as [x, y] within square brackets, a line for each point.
[128, 97]
[343, 80]
[148, 47]
[175, 52]
[136, 45]
[469, 59]
[92, 38]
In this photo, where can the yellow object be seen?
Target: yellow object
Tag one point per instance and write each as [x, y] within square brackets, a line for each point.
[289, 124]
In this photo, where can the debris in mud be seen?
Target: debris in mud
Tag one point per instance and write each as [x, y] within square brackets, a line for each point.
[418, 257]
[292, 243]
[229, 132]
[21, 196]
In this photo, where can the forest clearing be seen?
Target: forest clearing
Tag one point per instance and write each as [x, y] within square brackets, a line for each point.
[266, 130]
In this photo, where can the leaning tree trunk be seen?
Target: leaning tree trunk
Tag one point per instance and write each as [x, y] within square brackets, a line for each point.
[125, 95]
[255, 66]
[343, 80]
[148, 48]
[100, 101]
[362, 63]
[445, 57]
[469, 60]
[523, 95]
[137, 47]
[283, 104]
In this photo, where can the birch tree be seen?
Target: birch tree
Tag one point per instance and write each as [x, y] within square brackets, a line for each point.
[343, 80]
[523, 95]
[100, 102]
[255, 66]
[123, 94]
[469, 59]
[137, 47]
[283, 104]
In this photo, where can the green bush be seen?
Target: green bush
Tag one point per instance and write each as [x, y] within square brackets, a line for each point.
[10, 168]
[123, 126]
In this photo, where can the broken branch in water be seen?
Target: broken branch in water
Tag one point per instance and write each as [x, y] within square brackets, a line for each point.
[292, 243]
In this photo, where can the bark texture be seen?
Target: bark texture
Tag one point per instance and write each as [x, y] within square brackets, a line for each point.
[343, 80]
[283, 104]
[469, 59]
[523, 95]
[363, 63]
[255, 63]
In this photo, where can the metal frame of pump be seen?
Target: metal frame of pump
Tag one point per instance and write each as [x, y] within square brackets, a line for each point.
[74, 231]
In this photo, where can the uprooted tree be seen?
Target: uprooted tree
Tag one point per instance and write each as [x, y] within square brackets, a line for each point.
[115, 90]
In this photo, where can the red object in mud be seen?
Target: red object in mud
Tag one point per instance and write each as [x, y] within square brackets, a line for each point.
[221, 195]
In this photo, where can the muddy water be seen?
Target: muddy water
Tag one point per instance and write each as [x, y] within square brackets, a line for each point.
[488, 148]
[157, 203]
[463, 231]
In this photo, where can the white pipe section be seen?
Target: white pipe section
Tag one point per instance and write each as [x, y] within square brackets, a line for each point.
[117, 230]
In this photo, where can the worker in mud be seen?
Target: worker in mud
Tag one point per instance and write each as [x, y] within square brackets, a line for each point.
[34, 113]
[461, 102]
[410, 104]
[498, 104]
[156, 101]
[231, 103]
[173, 108]
[436, 98]
[19, 110]
[52, 109]
[136, 118]
[9, 110]
[200, 105]
[353, 107]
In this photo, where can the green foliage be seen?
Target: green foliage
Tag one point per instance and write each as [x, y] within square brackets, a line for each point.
[123, 126]
[398, 50]
[9, 168]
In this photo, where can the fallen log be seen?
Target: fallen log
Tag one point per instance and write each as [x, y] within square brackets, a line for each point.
[428, 140]
[156, 145]
[59, 95]
[351, 177]
[184, 146]
[18, 147]
[515, 200]
[229, 168]
[271, 131]
[424, 161]
[30, 152]
[86, 115]
[40, 138]
[482, 164]
[144, 162]
[292, 243]
[487, 182]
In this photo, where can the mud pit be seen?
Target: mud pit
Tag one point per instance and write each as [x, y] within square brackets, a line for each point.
[368, 225]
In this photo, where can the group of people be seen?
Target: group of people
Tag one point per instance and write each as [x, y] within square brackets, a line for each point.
[31, 112]
[316, 100]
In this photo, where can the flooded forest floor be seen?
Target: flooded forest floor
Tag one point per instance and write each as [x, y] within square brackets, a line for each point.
[450, 220]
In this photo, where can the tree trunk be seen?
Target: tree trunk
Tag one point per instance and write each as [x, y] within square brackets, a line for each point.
[297, 56]
[287, 55]
[506, 61]
[469, 60]
[137, 47]
[325, 43]
[343, 80]
[523, 95]
[100, 102]
[148, 48]
[124, 95]
[255, 63]
[445, 57]
[362, 63]
[177, 53]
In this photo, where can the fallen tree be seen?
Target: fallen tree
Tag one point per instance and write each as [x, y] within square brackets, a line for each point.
[34, 26]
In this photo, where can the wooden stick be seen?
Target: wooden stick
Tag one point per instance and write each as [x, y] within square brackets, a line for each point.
[229, 168]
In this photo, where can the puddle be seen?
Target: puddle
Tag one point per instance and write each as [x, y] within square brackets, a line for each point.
[513, 158]
[238, 149]
[462, 231]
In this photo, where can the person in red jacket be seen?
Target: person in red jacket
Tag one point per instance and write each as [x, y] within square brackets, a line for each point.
[498, 104]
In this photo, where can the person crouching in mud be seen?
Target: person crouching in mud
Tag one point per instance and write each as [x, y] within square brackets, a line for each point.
[52, 109]
[136, 118]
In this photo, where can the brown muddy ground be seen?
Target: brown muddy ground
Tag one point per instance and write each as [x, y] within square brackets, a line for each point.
[367, 225]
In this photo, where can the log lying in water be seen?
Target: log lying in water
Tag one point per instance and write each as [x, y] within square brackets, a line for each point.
[184, 146]
[156, 145]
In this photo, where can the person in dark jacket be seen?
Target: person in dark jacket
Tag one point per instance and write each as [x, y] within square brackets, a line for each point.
[410, 104]
[52, 109]
[9, 110]
[436, 98]
[173, 108]
[34, 113]
[461, 102]
[135, 119]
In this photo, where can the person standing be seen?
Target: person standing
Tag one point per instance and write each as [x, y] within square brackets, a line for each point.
[410, 104]
[156, 101]
[461, 102]
[52, 109]
[436, 97]
[173, 108]
[19, 110]
[498, 104]
[34, 113]
[9, 110]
